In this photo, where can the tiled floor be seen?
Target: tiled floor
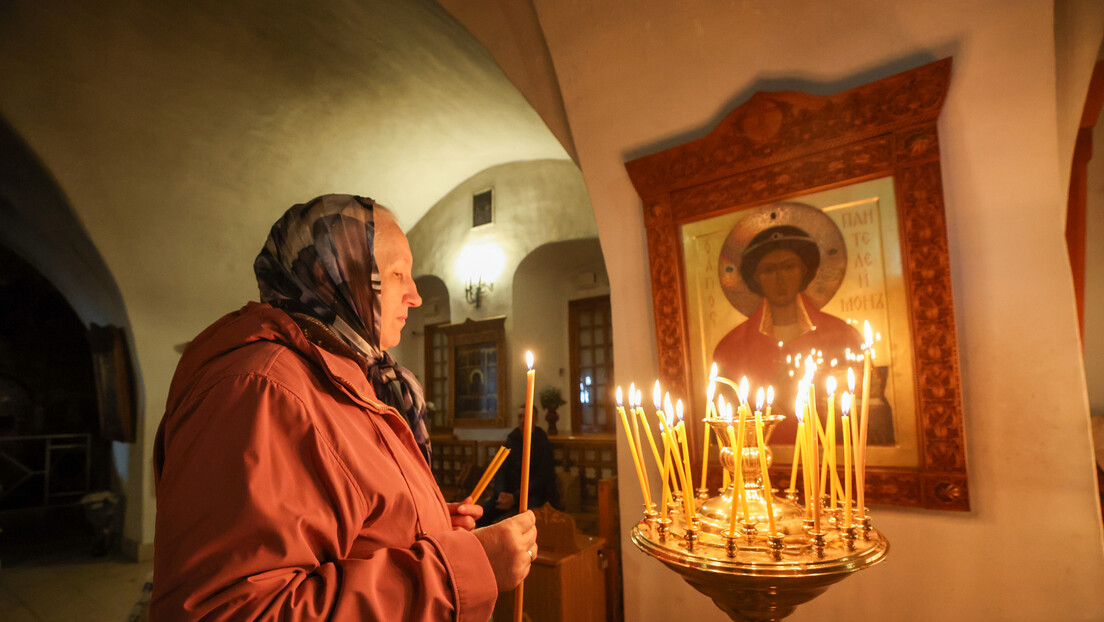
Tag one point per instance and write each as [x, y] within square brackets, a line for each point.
[48, 574]
[85, 589]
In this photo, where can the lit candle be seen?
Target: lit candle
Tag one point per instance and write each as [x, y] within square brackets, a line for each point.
[638, 411]
[864, 415]
[830, 450]
[737, 487]
[710, 413]
[637, 439]
[845, 408]
[770, 399]
[813, 461]
[663, 432]
[763, 463]
[797, 451]
[632, 449]
[742, 409]
[688, 482]
[676, 457]
[854, 419]
[803, 438]
[527, 433]
[725, 412]
[526, 445]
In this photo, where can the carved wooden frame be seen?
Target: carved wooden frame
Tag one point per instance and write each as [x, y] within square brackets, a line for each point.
[787, 144]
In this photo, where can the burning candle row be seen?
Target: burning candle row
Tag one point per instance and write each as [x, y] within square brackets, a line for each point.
[674, 463]
[816, 444]
[821, 476]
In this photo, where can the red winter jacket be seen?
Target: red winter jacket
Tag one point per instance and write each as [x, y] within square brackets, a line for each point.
[286, 491]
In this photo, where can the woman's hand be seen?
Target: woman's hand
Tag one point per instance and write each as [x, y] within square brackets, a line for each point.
[511, 547]
[464, 514]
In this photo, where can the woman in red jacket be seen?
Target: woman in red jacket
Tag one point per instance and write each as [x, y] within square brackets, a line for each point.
[291, 463]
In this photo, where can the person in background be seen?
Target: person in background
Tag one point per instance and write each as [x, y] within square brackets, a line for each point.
[505, 499]
[291, 463]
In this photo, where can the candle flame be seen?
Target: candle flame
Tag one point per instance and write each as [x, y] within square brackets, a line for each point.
[744, 390]
[799, 411]
[868, 333]
[770, 394]
[845, 403]
[851, 379]
[760, 397]
[668, 409]
[639, 399]
[713, 371]
[710, 390]
[655, 396]
[529, 360]
[619, 395]
[678, 410]
[831, 384]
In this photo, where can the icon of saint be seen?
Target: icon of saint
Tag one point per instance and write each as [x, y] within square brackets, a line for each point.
[779, 266]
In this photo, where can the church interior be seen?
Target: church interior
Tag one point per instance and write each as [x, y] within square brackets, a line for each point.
[147, 148]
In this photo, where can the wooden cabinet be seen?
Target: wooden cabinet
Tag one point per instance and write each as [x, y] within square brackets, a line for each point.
[567, 581]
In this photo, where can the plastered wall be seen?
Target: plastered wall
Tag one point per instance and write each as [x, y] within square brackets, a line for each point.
[538, 204]
[636, 79]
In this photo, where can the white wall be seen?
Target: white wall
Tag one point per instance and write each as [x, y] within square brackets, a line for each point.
[545, 282]
[536, 203]
[638, 77]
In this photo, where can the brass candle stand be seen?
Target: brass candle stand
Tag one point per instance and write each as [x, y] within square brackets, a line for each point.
[749, 573]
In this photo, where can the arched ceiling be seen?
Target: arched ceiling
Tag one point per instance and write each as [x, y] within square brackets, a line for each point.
[383, 97]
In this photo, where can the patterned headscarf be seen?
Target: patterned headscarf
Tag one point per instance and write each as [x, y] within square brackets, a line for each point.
[319, 260]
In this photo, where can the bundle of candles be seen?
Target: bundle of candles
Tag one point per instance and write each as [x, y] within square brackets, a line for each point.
[746, 504]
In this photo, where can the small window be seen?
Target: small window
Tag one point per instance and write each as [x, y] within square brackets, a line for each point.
[483, 208]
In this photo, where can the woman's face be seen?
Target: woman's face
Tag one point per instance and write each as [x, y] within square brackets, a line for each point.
[779, 275]
[398, 292]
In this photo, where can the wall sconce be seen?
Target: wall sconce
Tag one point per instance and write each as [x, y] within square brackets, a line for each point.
[474, 291]
[478, 266]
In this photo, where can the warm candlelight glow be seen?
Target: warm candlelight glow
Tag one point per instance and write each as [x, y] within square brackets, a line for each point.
[743, 393]
[655, 396]
[618, 395]
[760, 397]
[529, 360]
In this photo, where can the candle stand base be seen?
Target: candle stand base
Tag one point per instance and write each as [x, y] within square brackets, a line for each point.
[760, 577]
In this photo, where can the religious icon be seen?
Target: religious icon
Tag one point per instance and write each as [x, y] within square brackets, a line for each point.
[778, 266]
[777, 283]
